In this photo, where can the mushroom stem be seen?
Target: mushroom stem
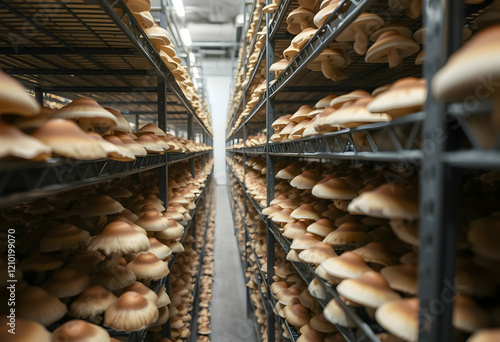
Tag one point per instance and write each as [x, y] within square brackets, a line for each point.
[393, 58]
[415, 9]
[361, 43]
[304, 25]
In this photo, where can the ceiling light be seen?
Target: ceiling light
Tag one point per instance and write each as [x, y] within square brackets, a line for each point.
[195, 70]
[192, 59]
[186, 37]
[179, 8]
[239, 19]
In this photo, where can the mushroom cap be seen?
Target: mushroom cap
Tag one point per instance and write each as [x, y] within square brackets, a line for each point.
[86, 110]
[306, 180]
[136, 148]
[14, 99]
[317, 253]
[147, 141]
[391, 43]
[406, 231]
[303, 37]
[410, 258]
[376, 253]
[309, 334]
[299, 18]
[80, 331]
[400, 318]
[402, 278]
[38, 262]
[358, 31]
[151, 128]
[153, 221]
[36, 304]
[141, 289]
[301, 114]
[347, 265]
[148, 266]
[334, 188]
[321, 227]
[352, 115]
[114, 279]
[297, 315]
[122, 125]
[30, 124]
[401, 29]
[405, 96]
[370, 289]
[285, 132]
[386, 201]
[68, 140]
[279, 66]
[338, 101]
[66, 283]
[325, 11]
[171, 233]
[118, 151]
[99, 206]
[136, 6]
[348, 234]
[15, 143]
[281, 122]
[316, 289]
[295, 229]
[144, 18]
[64, 236]
[119, 236]
[325, 101]
[163, 298]
[159, 249]
[320, 324]
[290, 52]
[92, 301]
[381, 89]
[305, 241]
[288, 295]
[288, 173]
[335, 314]
[305, 212]
[485, 335]
[131, 312]
[482, 234]
[26, 331]
[468, 316]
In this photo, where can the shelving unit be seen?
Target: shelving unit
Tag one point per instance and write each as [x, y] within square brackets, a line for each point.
[439, 167]
[93, 49]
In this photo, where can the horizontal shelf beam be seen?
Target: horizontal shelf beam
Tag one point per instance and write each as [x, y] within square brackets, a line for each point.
[90, 72]
[79, 89]
[67, 51]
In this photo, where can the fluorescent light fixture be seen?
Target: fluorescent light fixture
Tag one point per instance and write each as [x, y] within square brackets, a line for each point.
[195, 84]
[186, 37]
[192, 59]
[179, 8]
[239, 19]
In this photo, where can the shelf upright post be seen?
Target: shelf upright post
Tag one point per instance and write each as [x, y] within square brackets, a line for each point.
[163, 171]
[270, 174]
[190, 137]
[39, 95]
[438, 182]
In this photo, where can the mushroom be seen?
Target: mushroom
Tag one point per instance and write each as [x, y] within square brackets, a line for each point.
[138, 5]
[309, 4]
[64, 236]
[329, 62]
[327, 8]
[65, 283]
[297, 315]
[131, 312]
[298, 130]
[305, 241]
[306, 180]
[339, 101]
[472, 72]
[147, 266]
[32, 123]
[317, 253]
[25, 331]
[281, 122]
[269, 9]
[14, 99]
[158, 36]
[333, 188]
[278, 67]
[80, 331]
[36, 304]
[117, 151]
[347, 235]
[289, 172]
[144, 18]
[305, 212]
[92, 303]
[294, 230]
[485, 335]
[405, 96]
[153, 221]
[15, 143]
[358, 31]
[376, 255]
[413, 7]
[335, 314]
[141, 289]
[400, 318]
[299, 19]
[406, 231]
[309, 334]
[391, 47]
[150, 144]
[387, 201]
[402, 278]
[468, 316]
[302, 38]
[114, 279]
[301, 114]
[66, 139]
[38, 262]
[150, 128]
[136, 148]
[347, 265]
[88, 113]
[122, 125]
[401, 29]
[321, 227]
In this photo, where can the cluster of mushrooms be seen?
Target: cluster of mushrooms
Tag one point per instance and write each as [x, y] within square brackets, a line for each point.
[391, 43]
[184, 281]
[360, 234]
[255, 177]
[162, 42]
[80, 130]
[252, 140]
[87, 260]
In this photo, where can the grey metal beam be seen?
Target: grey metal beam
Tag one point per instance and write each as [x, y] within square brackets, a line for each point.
[95, 72]
[68, 51]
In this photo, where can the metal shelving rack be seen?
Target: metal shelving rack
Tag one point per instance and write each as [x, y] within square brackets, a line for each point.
[96, 49]
[442, 125]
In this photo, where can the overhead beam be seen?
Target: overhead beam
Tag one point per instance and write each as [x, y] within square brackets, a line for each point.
[94, 72]
[67, 51]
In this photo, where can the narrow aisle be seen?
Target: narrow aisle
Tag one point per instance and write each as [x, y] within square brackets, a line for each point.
[228, 307]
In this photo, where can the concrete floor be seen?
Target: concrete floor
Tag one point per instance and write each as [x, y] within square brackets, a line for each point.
[228, 307]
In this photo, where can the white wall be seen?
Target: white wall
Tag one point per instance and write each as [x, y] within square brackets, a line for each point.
[218, 74]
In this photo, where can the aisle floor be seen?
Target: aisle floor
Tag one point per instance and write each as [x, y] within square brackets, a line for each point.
[228, 307]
